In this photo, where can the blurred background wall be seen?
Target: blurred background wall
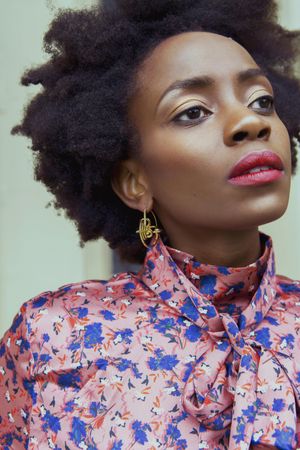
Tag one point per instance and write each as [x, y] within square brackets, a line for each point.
[39, 250]
[285, 231]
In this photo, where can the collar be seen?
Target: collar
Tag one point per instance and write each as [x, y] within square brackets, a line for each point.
[203, 293]
[230, 289]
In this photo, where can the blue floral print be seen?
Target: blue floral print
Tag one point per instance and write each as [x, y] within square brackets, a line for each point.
[181, 355]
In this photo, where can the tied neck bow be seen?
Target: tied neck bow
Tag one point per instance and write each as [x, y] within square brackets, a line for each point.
[237, 358]
[209, 394]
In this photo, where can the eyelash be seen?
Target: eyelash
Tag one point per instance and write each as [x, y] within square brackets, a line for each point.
[176, 119]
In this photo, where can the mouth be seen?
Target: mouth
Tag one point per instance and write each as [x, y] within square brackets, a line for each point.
[257, 168]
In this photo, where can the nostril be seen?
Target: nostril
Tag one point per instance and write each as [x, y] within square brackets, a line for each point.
[240, 136]
[263, 133]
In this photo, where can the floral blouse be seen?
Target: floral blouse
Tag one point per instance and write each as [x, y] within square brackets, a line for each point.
[181, 355]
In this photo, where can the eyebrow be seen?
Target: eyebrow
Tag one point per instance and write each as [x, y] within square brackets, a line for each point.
[205, 81]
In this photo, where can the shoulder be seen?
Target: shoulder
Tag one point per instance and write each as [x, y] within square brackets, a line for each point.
[81, 298]
[58, 325]
[287, 295]
[288, 287]
[87, 291]
[77, 307]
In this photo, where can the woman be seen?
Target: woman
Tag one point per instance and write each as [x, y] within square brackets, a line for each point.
[157, 130]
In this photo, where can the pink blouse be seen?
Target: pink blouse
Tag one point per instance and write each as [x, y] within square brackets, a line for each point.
[181, 355]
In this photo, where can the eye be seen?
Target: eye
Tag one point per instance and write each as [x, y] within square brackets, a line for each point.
[265, 103]
[192, 115]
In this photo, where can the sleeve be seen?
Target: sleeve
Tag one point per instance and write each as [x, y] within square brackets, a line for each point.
[16, 384]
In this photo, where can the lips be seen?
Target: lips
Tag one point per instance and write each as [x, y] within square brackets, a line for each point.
[254, 160]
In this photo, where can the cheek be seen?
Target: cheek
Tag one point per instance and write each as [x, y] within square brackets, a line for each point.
[178, 170]
[185, 166]
[281, 136]
[283, 133]
[181, 154]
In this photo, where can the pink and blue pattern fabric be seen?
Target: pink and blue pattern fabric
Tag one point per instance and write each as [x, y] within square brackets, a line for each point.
[182, 355]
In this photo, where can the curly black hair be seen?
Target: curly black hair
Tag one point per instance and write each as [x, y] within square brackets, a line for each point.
[78, 123]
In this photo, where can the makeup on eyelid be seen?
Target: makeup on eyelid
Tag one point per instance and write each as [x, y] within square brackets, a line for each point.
[186, 110]
[204, 105]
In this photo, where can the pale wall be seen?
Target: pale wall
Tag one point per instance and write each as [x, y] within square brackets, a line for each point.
[39, 250]
[285, 232]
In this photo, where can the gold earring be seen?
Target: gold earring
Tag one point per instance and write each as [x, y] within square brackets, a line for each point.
[147, 230]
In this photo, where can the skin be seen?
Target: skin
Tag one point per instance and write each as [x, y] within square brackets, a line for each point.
[182, 166]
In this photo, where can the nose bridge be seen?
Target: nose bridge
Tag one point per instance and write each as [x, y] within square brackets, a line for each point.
[242, 123]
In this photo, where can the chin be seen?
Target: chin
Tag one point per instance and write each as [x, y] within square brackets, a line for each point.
[272, 217]
[263, 211]
[271, 212]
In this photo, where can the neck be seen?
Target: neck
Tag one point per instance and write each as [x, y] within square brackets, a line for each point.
[235, 248]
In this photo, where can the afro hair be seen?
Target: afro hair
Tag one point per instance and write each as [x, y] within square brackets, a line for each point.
[78, 122]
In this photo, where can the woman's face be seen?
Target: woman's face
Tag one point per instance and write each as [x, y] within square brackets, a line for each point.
[193, 133]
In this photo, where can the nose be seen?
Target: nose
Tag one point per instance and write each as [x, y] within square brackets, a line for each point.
[245, 125]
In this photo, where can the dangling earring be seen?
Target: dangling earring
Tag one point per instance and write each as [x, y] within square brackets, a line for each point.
[147, 230]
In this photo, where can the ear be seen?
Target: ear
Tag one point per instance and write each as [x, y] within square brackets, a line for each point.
[130, 184]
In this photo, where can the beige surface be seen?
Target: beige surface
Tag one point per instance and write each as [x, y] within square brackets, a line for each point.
[39, 250]
[286, 231]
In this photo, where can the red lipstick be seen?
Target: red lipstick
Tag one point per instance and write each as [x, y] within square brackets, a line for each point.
[264, 166]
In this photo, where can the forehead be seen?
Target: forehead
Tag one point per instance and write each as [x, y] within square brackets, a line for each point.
[192, 54]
